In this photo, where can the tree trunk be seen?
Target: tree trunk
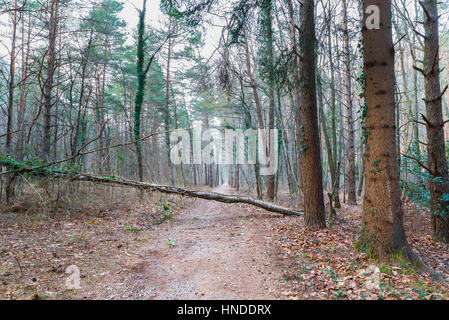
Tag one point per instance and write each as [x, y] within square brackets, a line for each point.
[258, 109]
[350, 148]
[437, 162]
[167, 113]
[382, 231]
[12, 71]
[48, 86]
[267, 8]
[84, 62]
[153, 187]
[309, 144]
[141, 80]
[21, 112]
[335, 176]
[294, 65]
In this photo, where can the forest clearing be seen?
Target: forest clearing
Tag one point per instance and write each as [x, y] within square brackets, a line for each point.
[224, 150]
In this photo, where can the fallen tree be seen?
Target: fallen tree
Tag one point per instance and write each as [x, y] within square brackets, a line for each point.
[19, 168]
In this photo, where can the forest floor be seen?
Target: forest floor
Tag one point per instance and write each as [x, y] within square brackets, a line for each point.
[180, 248]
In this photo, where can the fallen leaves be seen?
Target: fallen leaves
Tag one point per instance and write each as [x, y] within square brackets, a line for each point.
[323, 264]
[45, 248]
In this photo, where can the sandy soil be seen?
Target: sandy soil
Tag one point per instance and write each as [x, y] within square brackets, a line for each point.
[217, 251]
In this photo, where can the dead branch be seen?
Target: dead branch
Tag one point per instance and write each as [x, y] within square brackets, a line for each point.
[154, 187]
[9, 133]
[422, 165]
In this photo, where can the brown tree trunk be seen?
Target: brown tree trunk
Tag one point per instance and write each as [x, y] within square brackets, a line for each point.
[350, 148]
[48, 86]
[382, 231]
[309, 144]
[167, 114]
[84, 62]
[335, 176]
[12, 70]
[267, 7]
[258, 108]
[437, 162]
[155, 187]
[295, 71]
[21, 111]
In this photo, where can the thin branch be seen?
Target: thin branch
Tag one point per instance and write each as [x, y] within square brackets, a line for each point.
[422, 165]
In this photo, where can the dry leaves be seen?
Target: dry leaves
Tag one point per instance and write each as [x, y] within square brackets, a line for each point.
[325, 265]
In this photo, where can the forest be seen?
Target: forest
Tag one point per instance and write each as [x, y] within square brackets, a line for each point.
[210, 149]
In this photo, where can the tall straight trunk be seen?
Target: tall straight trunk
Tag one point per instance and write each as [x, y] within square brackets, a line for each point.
[84, 62]
[208, 167]
[102, 135]
[258, 108]
[141, 80]
[416, 146]
[407, 105]
[437, 162]
[309, 144]
[12, 71]
[292, 185]
[267, 8]
[382, 231]
[327, 142]
[48, 86]
[58, 81]
[335, 176]
[21, 111]
[167, 113]
[295, 72]
[350, 148]
[294, 65]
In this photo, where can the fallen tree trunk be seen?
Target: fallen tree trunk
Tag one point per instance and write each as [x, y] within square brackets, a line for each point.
[19, 168]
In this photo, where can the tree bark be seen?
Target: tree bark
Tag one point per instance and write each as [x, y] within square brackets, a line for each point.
[350, 148]
[267, 8]
[335, 176]
[141, 80]
[167, 113]
[309, 144]
[12, 71]
[21, 111]
[48, 86]
[437, 162]
[382, 230]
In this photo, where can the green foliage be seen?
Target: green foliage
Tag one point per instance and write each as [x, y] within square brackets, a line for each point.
[104, 20]
[191, 12]
[376, 169]
[366, 244]
[132, 229]
[165, 209]
[416, 186]
[266, 39]
[34, 166]
[171, 243]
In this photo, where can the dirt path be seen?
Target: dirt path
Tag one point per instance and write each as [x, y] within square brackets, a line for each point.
[220, 252]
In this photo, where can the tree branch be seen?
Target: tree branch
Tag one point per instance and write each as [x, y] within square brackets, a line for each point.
[155, 187]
